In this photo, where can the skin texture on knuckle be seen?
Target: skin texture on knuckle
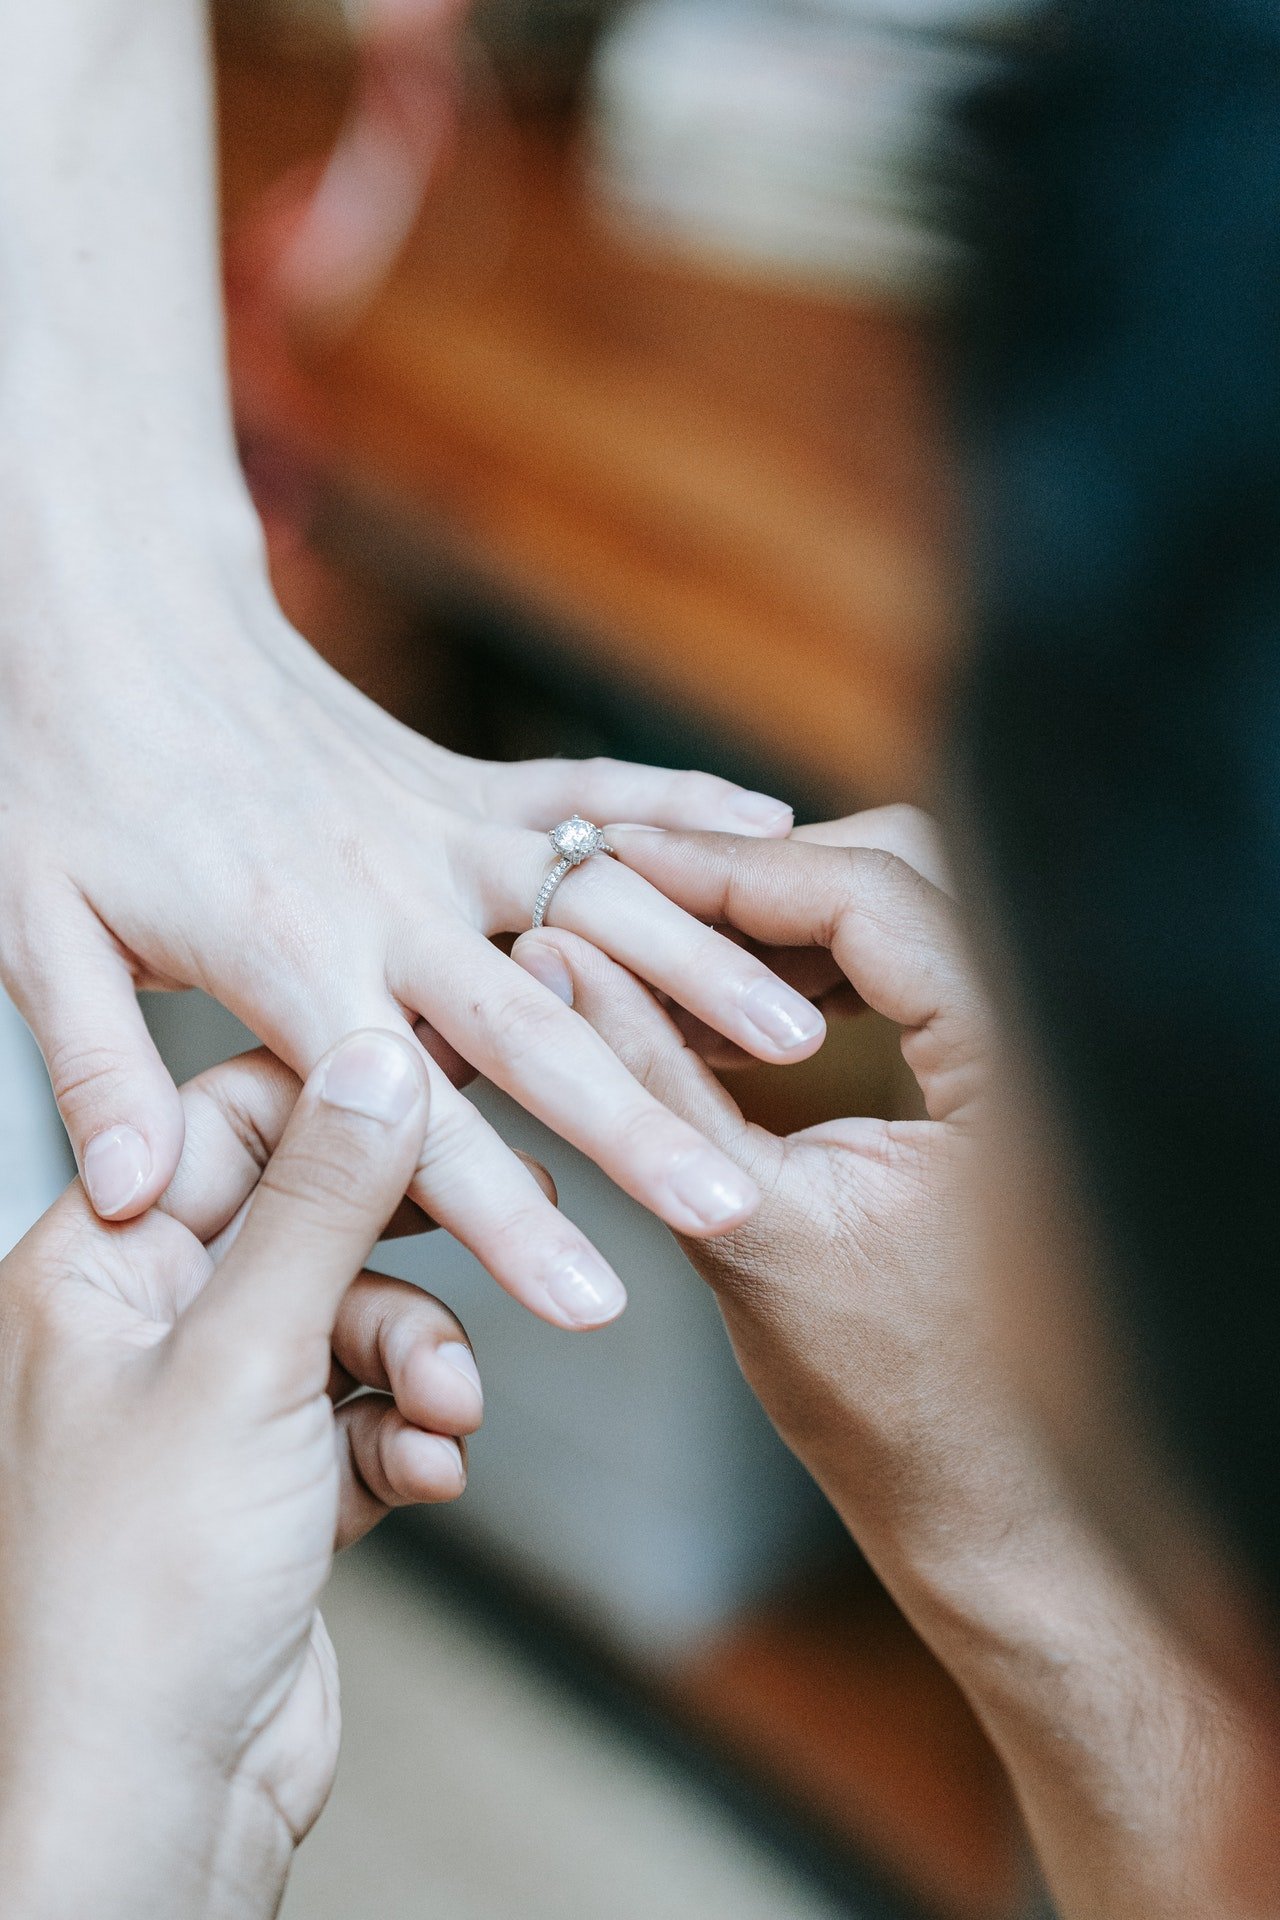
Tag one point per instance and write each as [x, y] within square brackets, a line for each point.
[333, 1171]
[451, 1139]
[520, 1027]
[80, 1073]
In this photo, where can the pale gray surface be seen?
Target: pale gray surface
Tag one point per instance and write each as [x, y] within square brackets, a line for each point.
[35, 1159]
[471, 1789]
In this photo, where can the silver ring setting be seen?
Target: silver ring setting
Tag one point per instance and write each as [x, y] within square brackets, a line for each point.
[575, 841]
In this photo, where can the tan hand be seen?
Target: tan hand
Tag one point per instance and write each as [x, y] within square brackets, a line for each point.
[850, 1296]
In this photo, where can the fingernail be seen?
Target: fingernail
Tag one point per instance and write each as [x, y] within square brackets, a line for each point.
[371, 1074]
[711, 1189]
[462, 1360]
[547, 966]
[761, 810]
[586, 1291]
[780, 1015]
[117, 1166]
[441, 1457]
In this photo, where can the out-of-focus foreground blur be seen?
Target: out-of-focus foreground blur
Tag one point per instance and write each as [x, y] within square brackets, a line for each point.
[631, 448]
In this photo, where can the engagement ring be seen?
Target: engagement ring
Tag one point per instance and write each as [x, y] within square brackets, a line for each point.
[575, 840]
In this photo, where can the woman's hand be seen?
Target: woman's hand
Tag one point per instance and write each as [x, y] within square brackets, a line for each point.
[858, 1301]
[180, 1453]
[189, 796]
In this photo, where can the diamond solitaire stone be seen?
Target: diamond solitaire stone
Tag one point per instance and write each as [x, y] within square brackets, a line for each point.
[575, 839]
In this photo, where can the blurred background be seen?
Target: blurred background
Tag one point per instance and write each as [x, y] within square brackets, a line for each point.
[585, 382]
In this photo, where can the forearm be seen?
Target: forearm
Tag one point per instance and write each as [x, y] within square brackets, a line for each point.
[111, 348]
[1138, 1777]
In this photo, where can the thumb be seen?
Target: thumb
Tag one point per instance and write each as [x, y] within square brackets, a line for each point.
[333, 1183]
[117, 1100]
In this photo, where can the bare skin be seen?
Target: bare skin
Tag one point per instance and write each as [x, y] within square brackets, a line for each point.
[189, 796]
[182, 1457]
[858, 1300]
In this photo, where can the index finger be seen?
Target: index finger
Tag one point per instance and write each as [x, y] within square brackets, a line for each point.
[894, 935]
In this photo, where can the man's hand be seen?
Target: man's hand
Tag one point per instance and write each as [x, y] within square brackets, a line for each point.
[856, 1299]
[850, 1295]
[202, 1405]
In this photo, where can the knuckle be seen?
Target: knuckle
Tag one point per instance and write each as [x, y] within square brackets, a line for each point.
[452, 1138]
[522, 1025]
[876, 865]
[652, 1135]
[692, 785]
[81, 1074]
[321, 1176]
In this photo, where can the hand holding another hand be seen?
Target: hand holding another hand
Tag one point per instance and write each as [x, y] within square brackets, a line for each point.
[850, 1296]
[860, 1302]
[189, 796]
[188, 1439]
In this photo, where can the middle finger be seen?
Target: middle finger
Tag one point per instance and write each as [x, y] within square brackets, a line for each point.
[548, 1058]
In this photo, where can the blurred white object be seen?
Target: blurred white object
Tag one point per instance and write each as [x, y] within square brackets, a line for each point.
[813, 141]
[35, 1161]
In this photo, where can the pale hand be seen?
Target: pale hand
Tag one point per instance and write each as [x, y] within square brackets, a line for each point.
[179, 1458]
[190, 796]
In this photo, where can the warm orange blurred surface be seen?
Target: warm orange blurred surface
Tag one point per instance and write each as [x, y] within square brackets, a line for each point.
[731, 496]
[828, 1694]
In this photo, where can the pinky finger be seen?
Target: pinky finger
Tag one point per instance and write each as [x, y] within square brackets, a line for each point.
[384, 1462]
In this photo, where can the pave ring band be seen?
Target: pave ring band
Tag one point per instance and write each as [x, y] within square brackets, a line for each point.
[575, 840]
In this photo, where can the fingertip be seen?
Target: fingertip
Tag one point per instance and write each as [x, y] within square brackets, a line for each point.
[783, 1023]
[126, 1168]
[705, 1195]
[759, 815]
[457, 1356]
[438, 1387]
[581, 1291]
[540, 958]
[427, 1467]
[117, 1168]
[376, 1074]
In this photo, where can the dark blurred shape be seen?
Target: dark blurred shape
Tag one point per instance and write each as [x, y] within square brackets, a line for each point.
[540, 49]
[1120, 735]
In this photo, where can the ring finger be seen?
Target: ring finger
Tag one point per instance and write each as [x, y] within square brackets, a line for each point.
[716, 979]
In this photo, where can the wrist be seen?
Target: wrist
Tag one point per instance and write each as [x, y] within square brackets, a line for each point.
[76, 450]
[1131, 1763]
[110, 303]
[118, 1841]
